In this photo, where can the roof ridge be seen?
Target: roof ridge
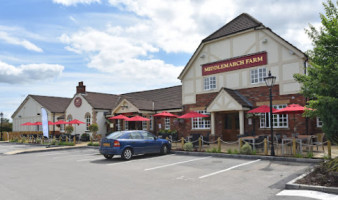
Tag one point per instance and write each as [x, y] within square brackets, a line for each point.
[32, 95]
[102, 93]
[152, 90]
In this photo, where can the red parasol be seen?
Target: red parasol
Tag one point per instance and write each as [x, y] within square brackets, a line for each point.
[119, 117]
[61, 122]
[36, 123]
[292, 109]
[164, 114]
[192, 114]
[75, 121]
[137, 118]
[26, 124]
[262, 109]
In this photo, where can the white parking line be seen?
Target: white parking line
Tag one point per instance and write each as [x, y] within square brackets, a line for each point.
[230, 168]
[177, 163]
[309, 194]
[91, 159]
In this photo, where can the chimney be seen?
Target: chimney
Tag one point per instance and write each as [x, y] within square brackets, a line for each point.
[81, 88]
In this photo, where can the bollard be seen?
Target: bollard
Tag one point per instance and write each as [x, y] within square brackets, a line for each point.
[265, 146]
[74, 140]
[200, 143]
[66, 138]
[240, 144]
[329, 149]
[182, 142]
[294, 146]
[219, 144]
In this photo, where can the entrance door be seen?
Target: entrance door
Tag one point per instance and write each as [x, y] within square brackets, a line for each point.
[230, 126]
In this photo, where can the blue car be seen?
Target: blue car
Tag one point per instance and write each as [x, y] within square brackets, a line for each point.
[129, 143]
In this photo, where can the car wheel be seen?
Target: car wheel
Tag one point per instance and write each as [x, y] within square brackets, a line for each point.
[127, 154]
[108, 156]
[164, 149]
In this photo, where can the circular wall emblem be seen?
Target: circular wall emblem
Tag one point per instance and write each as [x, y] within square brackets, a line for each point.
[77, 101]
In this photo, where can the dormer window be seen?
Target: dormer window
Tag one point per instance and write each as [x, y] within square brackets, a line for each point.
[210, 83]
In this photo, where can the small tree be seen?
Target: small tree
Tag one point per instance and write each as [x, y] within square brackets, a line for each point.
[94, 128]
[69, 129]
[321, 82]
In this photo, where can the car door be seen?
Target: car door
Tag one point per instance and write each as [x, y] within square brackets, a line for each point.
[137, 142]
[152, 146]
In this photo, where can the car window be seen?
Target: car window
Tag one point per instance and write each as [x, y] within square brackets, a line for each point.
[115, 135]
[135, 135]
[147, 135]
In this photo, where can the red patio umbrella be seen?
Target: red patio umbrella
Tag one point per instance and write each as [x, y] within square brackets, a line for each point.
[61, 122]
[75, 121]
[26, 124]
[192, 114]
[36, 123]
[164, 114]
[119, 117]
[262, 109]
[137, 118]
[292, 109]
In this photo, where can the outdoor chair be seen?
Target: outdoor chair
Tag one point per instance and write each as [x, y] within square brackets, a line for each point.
[319, 140]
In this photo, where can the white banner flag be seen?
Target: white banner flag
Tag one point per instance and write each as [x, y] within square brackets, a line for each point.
[44, 116]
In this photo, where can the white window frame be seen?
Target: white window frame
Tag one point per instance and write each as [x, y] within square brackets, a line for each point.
[88, 121]
[257, 75]
[210, 83]
[126, 125]
[319, 122]
[199, 122]
[144, 125]
[279, 121]
[151, 123]
[167, 123]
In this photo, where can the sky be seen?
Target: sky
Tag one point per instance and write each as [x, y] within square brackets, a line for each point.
[120, 46]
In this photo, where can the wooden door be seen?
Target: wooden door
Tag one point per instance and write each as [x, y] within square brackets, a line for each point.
[230, 126]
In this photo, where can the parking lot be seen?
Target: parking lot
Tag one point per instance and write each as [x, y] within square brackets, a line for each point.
[84, 174]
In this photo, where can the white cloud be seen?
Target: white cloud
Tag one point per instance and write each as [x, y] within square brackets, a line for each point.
[21, 42]
[28, 73]
[75, 2]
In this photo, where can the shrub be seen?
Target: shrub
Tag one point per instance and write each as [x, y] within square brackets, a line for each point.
[85, 137]
[235, 151]
[66, 143]
[309, 155]
[246, 149]
[93, 144]
[229, 151]
[69, 129]
[188, 146]
[54, 142]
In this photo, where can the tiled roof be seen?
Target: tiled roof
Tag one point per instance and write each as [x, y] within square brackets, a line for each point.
[53, 104]
[164, 98]
[239, 97]
[101, 100]
[241, 23]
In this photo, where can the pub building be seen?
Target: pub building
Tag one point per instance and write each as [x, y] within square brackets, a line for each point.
[224, 78]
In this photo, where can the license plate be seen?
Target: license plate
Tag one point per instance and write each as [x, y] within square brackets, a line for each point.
[106, 144]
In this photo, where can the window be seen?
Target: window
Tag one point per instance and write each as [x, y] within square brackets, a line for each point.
[319, 122]
[279, 121]
[87, 117]
[126, 125]
[147, 136]
[167, 123]
[144, 125]
[258, 75]
[201, 123]
[118, 125]
[151, 123]
[210, 83]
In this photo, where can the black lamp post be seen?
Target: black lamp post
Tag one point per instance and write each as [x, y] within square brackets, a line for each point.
[1, 115]
[269, 81]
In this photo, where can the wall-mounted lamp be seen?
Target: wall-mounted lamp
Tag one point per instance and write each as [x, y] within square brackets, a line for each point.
[291, 52]
[202, 56]
[265, 41]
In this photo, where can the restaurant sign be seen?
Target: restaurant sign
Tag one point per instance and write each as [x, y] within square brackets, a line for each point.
[235, 63]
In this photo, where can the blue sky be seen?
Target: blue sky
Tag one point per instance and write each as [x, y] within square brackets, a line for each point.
[119, 46]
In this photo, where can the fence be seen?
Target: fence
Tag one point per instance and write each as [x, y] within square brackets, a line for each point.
[296, 148]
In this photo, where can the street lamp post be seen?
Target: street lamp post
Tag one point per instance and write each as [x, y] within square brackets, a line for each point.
[269, 81]
[1, 115]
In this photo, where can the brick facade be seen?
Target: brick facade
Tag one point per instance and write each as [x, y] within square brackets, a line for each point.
[257, 96]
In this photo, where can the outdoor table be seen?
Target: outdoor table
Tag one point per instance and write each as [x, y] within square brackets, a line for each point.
[250, 138]
[299, 139]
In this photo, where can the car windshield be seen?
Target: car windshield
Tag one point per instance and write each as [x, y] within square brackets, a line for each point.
[115, 135]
